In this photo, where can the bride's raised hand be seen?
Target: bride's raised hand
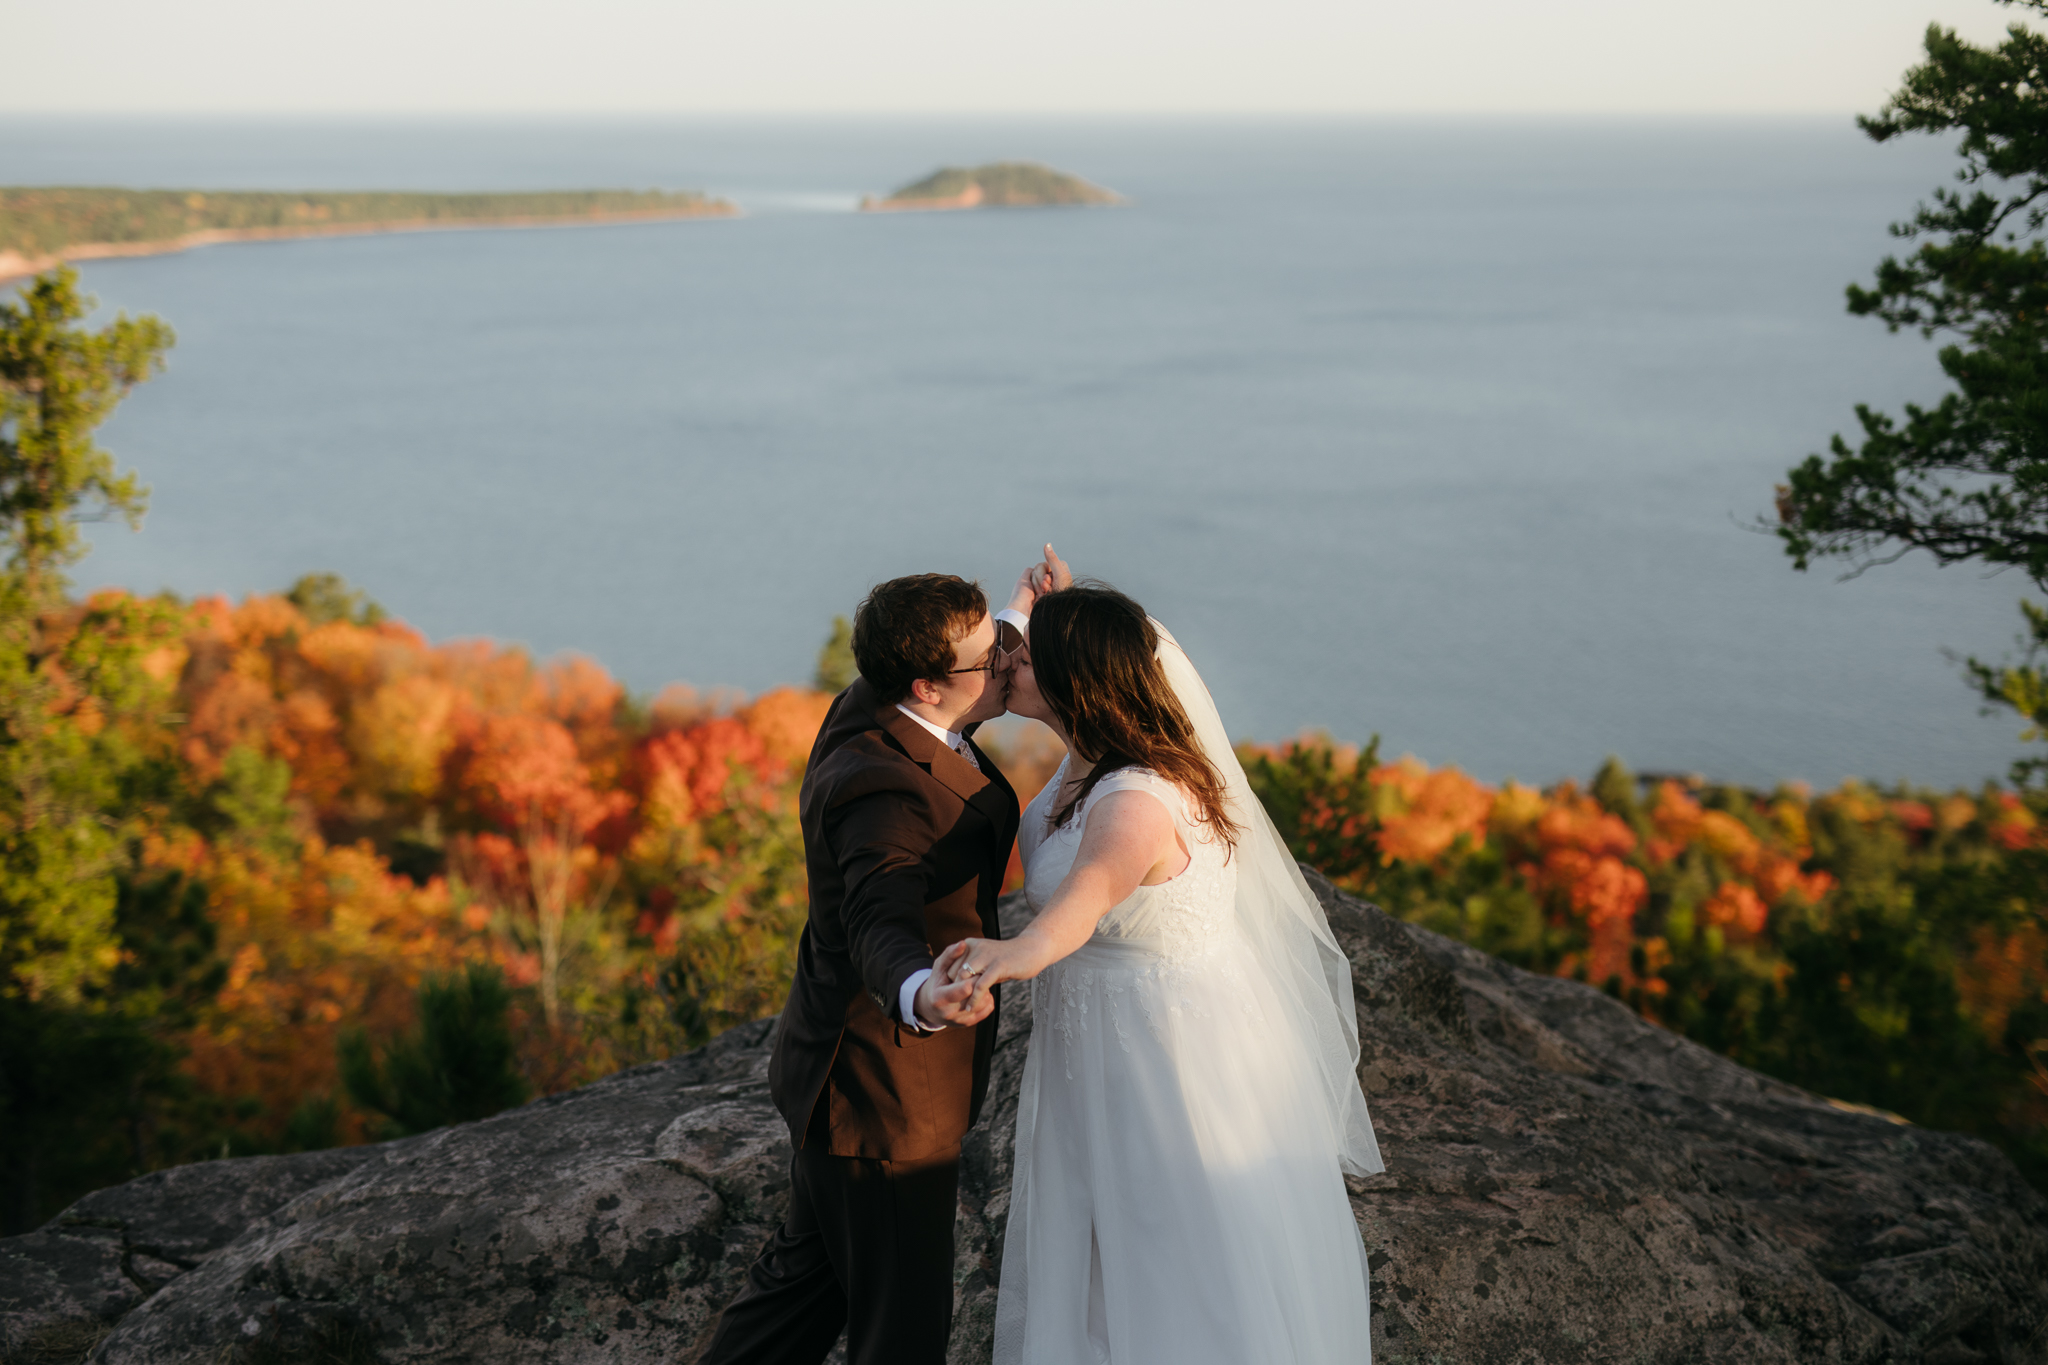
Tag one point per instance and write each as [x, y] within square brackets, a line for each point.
[1054, 575]
[1049, 574]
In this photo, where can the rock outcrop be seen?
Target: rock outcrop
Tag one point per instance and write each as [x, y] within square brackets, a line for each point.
[1564, 1183]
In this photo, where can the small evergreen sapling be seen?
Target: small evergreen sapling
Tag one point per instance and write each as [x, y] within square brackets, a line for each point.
[459, 1065]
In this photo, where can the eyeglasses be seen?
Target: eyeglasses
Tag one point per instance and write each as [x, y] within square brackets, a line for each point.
[996, 657]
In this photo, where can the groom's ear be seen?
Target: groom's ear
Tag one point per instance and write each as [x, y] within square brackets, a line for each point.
[926, 691]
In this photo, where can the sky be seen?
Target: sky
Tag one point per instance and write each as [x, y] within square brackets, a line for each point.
[1435, 57]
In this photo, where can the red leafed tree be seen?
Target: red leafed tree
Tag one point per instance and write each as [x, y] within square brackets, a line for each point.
[519, 775]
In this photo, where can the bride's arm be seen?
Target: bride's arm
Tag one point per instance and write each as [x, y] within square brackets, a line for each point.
[1128, 838]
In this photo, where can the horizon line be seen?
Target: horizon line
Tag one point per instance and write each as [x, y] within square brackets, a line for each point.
[1170, 115]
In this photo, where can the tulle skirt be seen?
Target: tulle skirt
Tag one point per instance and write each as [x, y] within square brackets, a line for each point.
[1177, 1198]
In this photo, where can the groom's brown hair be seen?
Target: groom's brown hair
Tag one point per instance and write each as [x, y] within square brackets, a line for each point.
[904, 629]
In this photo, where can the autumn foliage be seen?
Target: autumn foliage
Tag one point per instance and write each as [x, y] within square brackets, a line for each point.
[1888, 948]
[357, 810]
[283, 818]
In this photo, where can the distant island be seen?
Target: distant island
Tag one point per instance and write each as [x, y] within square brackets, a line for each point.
[1001, 184]
[41, 227]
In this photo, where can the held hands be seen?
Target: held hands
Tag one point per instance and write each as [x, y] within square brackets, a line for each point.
[980, 963]
[941, 1001]
[1047, 575]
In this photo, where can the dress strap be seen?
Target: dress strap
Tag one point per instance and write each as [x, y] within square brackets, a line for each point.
[1168, 794]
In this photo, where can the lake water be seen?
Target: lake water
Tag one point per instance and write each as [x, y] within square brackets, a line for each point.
[1444, 430]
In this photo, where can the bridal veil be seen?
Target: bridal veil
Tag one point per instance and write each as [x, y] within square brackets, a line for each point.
[1283, 924]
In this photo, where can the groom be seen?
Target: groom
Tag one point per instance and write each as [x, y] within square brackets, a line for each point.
[878, 1068]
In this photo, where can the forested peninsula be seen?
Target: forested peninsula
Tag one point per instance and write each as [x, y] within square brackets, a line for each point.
[40, 227]
[1000, 184]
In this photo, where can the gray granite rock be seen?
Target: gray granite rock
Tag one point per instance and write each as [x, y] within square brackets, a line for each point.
[1567, 1183]
[610, 1223]
[1564, 1183]
[114, 1248]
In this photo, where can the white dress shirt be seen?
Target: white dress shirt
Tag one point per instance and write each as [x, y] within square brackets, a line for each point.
[906, 1002]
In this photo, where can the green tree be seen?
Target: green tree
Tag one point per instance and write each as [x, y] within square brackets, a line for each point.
[98, 972]
[325, 597]
[739, 916]
[836, 669]
[77, 708]
[251, 802]
[1321, 800]
[1966, 479]
[84, 739]
[90, 1092]
[67, 1077]
[58, 382]
[460, 1064]
[2021, 687]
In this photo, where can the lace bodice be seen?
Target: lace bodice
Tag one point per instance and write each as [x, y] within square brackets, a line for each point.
[1178, 918]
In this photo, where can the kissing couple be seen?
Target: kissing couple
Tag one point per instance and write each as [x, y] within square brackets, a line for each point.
[1189, 1104]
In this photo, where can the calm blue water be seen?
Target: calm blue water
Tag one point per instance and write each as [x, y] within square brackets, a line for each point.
[1441, 430]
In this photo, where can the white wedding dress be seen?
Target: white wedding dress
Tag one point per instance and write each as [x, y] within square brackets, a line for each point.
[1178, 1197]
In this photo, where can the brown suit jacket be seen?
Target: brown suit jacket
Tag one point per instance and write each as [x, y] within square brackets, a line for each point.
[906, 846]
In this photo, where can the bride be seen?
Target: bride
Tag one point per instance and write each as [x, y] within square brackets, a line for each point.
[1189, 1104]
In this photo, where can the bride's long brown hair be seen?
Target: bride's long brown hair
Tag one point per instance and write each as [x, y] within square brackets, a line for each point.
[1094, 652]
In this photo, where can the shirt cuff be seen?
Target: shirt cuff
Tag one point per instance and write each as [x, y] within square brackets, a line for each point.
[1016, 618]
[906, 1002]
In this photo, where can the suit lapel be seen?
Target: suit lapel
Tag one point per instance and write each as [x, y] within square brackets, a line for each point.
[924, 748]
[988, 796]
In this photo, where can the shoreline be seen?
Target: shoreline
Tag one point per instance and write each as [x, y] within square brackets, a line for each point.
[969, 198]
[16, 265]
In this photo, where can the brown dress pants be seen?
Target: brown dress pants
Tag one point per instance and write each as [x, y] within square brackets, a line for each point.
[868, 1247]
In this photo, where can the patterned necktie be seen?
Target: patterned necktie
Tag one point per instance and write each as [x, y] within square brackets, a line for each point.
[966, 753]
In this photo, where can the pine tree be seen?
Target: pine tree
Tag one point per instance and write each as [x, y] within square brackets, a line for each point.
[1967, 479]
[58, 382]
[461, 1064]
